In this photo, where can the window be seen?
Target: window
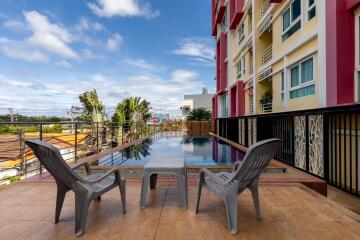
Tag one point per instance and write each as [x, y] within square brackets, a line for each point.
[302, 79]
[224, 105]
[282, 87]
[224, 23]
[311, 9]
[241, 32]
[291, 19]
[358, 86]
[240, 67]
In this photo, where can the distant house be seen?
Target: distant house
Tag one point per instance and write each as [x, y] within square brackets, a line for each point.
[192, 101]
[14, 158]
[159, 117]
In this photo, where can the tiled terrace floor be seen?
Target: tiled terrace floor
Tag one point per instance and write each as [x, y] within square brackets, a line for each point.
[289, 212]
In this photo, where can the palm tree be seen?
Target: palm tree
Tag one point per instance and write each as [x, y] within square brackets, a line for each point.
[130, 111]
[92, 106]
[199, 114]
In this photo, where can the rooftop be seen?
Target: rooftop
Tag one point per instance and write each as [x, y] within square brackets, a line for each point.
[290, 211]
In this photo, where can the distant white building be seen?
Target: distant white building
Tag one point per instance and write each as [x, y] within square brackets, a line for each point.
[191, 101]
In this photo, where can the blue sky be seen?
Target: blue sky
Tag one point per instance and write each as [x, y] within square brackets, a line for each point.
[51, 51]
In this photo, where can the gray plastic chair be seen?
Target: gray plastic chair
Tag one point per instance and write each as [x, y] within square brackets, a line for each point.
[245, 174]
[86, 189]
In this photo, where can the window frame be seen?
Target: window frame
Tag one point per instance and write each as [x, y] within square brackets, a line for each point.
[310, 8]
[242, 31]
[301, 84]
[357, 57]
[282, 86]
[292, 22]
[224, 23]
[239, 68]
[224, 105]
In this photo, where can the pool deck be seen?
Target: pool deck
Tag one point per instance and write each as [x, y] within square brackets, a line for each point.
[289, 211]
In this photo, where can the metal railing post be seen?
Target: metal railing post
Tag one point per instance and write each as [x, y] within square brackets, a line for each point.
[22, 153]
[76, 141]
[122, 133]
[97, 137]
[41, 138]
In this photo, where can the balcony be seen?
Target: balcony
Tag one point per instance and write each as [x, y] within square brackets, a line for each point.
[218, 12]
[264, 8]
[266, 55]
[236, 12]
[265, 23]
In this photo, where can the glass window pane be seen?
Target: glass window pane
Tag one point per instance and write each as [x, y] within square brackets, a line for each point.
[286, 19]
[358, 85]
[312, 13]
[282, 81]
[311, 2]
[307, 73]
[295, 76]
[301, 92]
[291, 31]
[295, 9]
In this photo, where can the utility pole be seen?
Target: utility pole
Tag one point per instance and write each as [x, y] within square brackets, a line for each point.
[12, 113]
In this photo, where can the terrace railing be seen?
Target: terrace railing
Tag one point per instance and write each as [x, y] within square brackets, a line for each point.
[74, 140]
[322, 142]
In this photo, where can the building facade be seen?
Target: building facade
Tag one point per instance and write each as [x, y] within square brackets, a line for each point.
[285, 55]
[192, 101]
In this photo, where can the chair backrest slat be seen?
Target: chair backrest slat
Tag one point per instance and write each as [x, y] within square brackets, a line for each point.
[256, 159]
[50, 157]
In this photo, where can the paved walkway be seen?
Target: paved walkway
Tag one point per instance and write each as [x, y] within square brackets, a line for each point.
[289, 212]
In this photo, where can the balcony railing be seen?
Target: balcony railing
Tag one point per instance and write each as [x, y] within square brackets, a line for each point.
[266, 55]
[266, 107]
[251, 107]
[74, 140]
[265, 7]
[323, 142]
[251, 68]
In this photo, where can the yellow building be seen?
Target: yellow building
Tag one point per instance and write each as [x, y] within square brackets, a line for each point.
[285, 55]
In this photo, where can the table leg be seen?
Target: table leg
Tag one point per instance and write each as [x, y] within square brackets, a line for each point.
[144, 189]
[182, 183]
[153, 179]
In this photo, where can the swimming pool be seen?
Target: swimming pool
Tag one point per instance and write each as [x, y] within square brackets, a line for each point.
[197, 151]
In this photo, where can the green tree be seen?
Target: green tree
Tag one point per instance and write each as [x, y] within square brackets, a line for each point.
[199, 114]
[92, 106]
[131, 110]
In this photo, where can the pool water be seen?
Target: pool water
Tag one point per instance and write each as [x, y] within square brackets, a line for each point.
[197, 151]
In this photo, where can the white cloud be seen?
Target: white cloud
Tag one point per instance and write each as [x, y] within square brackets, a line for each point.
[98, 26]
[85, 24]
[13, 83]
[123, 8]
[63, 63]
[26, 55]
[50, 37]
[14, 25]
[98, 78]
[165, 92]
[114, 42]
[140, 63]
[200, 50]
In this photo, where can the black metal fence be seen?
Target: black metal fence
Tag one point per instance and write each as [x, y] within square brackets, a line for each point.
[323, 142]
[74, 140]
